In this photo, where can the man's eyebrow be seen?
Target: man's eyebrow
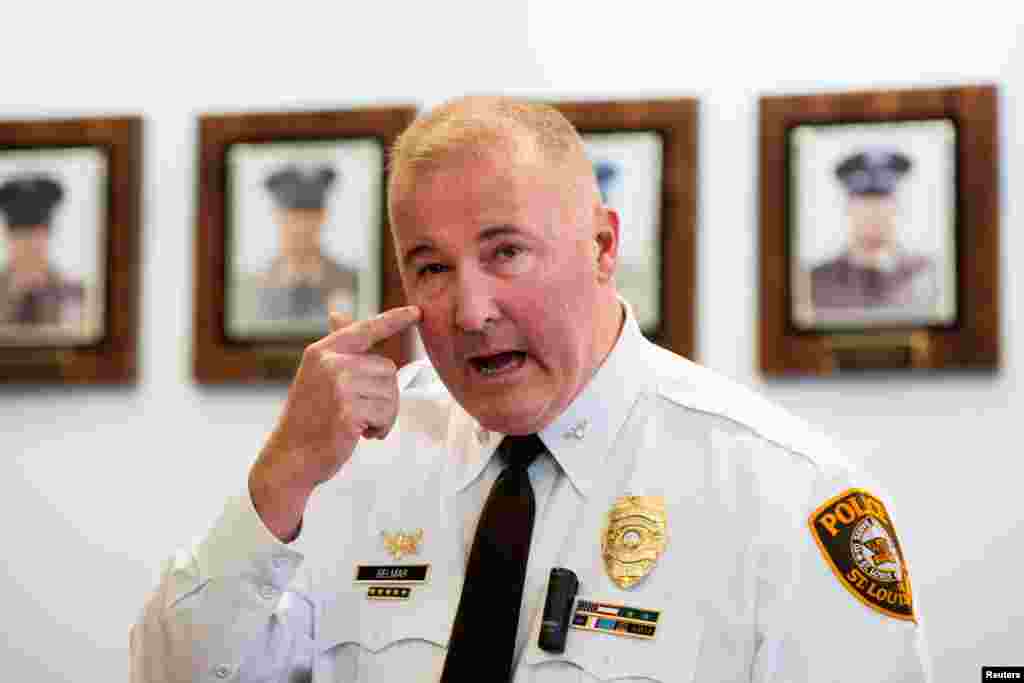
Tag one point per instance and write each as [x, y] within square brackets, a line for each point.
[485, 235]
[497, 231]
[416, 252]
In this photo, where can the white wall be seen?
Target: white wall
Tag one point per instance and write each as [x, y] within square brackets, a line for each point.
[98, 486]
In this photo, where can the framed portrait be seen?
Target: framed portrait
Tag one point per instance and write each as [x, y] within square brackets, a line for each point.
[292, 226]
[69, 209]
[879, 231]
[644, 155]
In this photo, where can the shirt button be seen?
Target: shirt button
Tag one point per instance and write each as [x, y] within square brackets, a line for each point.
[268, 591]
[578, 431]
[222, 671]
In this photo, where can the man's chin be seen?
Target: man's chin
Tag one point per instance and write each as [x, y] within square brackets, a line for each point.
[509, 416]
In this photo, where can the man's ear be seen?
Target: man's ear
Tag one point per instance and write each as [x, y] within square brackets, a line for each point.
[606, 240]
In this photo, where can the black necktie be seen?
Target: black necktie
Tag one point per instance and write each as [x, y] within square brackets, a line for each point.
[484, 634]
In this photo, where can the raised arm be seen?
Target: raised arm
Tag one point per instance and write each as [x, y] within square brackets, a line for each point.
[236, 607]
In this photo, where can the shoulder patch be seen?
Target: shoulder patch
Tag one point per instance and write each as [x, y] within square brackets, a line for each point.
[857, 538]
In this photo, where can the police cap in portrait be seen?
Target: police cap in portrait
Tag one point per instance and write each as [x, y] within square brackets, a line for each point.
[872, 171]
[295, 188]
[29, 200]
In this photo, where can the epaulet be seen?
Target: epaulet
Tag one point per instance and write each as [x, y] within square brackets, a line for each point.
[702, 390]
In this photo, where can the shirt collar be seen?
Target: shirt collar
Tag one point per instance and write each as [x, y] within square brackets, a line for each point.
[885, 261]
[582, 436]
[281, 275]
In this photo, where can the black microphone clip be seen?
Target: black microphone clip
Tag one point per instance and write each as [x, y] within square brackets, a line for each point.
[554, 626]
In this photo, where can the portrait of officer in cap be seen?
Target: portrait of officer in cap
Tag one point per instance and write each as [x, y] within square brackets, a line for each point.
[33, 292]
[627, 166]
[874, 270]
[301, 283]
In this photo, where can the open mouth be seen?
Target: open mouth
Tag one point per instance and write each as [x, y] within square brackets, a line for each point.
[498, 363]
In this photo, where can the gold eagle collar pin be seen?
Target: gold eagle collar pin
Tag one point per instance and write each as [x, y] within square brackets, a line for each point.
[399, 544]
[634, 538]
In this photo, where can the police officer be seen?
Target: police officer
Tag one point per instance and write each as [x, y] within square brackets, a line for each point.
[301, 283]
[32, 292]
[874, 271]
[402, 524]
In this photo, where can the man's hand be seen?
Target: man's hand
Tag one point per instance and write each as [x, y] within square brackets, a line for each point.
[340, 394]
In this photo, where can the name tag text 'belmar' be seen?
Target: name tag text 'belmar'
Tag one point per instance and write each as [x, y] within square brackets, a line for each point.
[392, 573]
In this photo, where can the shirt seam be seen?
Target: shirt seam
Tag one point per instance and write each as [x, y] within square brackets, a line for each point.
[754, 431]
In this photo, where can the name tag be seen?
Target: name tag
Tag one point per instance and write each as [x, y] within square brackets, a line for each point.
[392, 573]
[613, 619]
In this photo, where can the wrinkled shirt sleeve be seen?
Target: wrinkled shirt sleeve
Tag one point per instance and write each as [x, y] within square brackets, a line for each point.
[230, 609]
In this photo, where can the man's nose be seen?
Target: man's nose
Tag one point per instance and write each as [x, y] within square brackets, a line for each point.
[475, 307]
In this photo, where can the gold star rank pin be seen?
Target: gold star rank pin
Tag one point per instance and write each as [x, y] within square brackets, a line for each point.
[400, 544]
[634, 538]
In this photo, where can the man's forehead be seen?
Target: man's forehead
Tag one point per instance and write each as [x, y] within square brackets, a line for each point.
[873, 200]
[507, 160]
[470, 217]
[464, 217]
[481, 186]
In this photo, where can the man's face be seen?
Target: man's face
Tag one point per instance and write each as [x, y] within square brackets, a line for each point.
[28, 248]
[501, 257]
[300, 231]
[872, 222]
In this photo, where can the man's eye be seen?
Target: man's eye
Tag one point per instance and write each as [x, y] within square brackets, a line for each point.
[431, 269]
[508, 252]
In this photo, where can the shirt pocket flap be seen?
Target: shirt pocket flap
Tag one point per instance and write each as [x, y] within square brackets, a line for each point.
[377, 624]
[670, 656]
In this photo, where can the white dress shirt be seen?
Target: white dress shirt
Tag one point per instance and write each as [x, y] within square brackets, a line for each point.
[745, 593]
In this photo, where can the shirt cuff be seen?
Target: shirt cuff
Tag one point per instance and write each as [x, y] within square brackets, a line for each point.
[239, 545]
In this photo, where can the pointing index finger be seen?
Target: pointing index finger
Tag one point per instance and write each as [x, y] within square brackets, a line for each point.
[339, 321]
[365, 333]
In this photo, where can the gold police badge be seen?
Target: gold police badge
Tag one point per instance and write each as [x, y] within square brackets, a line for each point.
[857, 538]
[634, 538]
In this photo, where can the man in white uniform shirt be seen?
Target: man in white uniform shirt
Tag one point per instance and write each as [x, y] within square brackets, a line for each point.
[715, 537]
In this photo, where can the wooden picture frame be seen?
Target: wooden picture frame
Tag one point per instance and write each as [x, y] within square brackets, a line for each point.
[69, 269]
[879, 237]
[623, 138]
[258, 172]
